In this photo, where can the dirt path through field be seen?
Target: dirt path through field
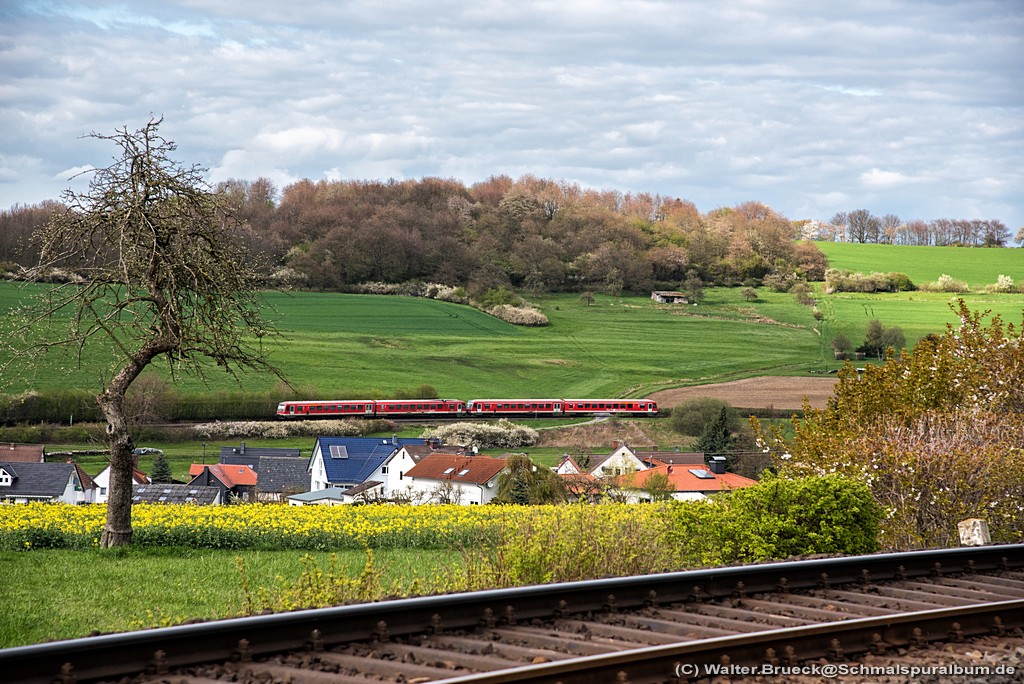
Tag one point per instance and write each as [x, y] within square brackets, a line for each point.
[768, 392]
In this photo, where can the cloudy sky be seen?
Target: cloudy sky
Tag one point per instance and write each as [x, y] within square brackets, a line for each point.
[910, 107]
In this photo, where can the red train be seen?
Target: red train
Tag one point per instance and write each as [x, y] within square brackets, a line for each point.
[405, 408]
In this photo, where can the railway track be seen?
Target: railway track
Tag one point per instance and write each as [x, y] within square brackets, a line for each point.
[655, 628]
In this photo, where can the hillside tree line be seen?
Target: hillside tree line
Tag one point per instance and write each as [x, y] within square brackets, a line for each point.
[529, 234]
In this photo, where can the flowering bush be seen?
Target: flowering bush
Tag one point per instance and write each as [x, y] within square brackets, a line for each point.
[271, 429]
[518, 315]
[504, 434]
[936, 433]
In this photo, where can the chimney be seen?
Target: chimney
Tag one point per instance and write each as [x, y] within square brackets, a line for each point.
[615, 445]
[717, 464]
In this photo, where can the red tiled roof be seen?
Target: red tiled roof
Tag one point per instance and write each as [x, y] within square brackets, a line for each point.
[84, 478]
[21, 453]
[229, 475]
[472, 469]
[682, 480]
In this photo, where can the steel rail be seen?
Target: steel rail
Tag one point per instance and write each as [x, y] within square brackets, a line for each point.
[115, 655]
[779, 648]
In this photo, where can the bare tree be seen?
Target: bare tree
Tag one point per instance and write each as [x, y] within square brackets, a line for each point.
[159, 274]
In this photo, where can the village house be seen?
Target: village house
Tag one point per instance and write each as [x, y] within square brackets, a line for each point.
[234, 482]
[455, 478]
[622, 460]
[86, 493]
[25, 482]
[685, 482]
[279, 472]
[344, 462]
[102, 483]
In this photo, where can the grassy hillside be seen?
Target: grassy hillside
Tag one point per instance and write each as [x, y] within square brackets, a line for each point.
[977, 266]
[352, 345]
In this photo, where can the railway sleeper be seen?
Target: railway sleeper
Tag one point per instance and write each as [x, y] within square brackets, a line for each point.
[452, 659]
[932, 598]
[483, 646]
[803, 612]
[728, 624]
[975, 592]
[899, 606]
[769, 618]
[848, 608]
[575, 644]
[992, 581]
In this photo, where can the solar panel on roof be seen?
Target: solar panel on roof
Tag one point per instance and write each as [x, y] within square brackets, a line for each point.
[702, 474]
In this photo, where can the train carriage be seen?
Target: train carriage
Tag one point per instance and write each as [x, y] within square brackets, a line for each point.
[411, 408]
[635, 407]
[324, 409]
[420, 407]
[515, 407]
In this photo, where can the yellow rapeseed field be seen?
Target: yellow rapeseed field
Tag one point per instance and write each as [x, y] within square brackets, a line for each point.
[270, 526]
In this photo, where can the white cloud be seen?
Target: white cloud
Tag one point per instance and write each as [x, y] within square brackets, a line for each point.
[810, 108]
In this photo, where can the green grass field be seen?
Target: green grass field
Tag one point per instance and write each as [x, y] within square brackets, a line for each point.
[352, 345]
[977, 266]
[132, 588]
[357, 345]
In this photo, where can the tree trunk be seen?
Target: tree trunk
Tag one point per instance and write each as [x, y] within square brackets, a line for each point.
[117, 531]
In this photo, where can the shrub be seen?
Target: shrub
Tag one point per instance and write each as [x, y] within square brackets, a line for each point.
[841, 280]
[780, 518]
[749, 294]
[503, 434]
[693, 415]
[518, 315]
[1003, 284]
[946, 283]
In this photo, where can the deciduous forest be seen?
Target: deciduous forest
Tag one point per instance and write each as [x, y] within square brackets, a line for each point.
[528, 234]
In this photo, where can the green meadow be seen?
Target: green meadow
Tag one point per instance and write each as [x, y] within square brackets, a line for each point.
[975, 265]
[362, 345]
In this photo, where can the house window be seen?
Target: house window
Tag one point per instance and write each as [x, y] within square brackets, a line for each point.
[103, 491]
[383, 470]
[5, 479]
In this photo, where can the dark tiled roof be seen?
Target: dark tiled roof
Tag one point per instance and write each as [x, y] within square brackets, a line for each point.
[282, 471]
[671, 457]
[244, 451]
[282, 474]
[174, 494]
[37, 479]
[355, 458]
